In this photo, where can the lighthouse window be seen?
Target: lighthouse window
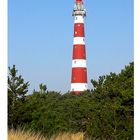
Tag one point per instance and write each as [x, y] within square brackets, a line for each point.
[75, 32]
[76, 18]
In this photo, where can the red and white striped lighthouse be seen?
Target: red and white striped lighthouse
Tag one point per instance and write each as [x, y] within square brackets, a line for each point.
[79, 68]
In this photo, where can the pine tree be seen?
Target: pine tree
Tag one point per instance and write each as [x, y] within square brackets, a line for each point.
[17, 89]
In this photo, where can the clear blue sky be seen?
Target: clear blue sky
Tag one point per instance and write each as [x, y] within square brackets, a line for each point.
[41, 39]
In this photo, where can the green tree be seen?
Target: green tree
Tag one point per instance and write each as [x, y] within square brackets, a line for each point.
[17, 89]
[43, 88]
[114, 97]
[104, 113]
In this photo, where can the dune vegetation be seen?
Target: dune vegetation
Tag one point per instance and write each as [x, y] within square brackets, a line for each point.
[22, 135]
[105, 112]
[30, 135]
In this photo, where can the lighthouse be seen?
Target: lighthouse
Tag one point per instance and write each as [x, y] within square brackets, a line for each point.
[79, 68]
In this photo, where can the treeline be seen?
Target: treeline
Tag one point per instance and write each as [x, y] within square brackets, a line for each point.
[106, 112]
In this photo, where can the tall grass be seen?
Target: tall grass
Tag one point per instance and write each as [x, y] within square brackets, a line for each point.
[68, 136]
[28, 135]
[24, 135]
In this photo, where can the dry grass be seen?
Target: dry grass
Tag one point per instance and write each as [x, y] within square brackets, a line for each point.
[22, 135]
[68, 136]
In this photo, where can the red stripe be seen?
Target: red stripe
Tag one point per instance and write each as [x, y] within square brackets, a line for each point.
[79, 52]
[77, 92]
[78, 1]
[79, 30]
[79, 75]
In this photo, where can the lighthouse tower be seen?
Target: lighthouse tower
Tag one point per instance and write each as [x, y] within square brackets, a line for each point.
[79, 69]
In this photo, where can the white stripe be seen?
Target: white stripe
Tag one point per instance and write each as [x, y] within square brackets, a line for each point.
[79, 63]
[79, 86]
[79, 40]
[79, 19]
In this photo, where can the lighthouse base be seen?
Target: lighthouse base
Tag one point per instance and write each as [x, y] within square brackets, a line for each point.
[76, 92]
[79, 87]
